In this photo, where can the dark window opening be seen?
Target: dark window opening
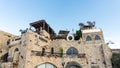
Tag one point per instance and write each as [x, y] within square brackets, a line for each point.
[8, 42]
[92, 63]
[88, 38]
[52, 50]
[97, 37]
[5, 56]
[42, 39]
[43, 52]
[17, 39]
[30, 40]
[72, 51]
[16, 49]
[21, 56]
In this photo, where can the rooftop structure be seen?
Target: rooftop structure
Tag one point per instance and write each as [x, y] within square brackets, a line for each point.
[65, 32]
[42, 25]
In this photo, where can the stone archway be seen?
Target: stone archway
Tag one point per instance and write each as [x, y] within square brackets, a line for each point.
[73, 65]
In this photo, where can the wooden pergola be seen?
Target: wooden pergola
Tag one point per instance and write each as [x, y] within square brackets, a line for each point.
[42, 24]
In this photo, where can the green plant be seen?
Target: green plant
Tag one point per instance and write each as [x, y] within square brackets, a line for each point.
[116, 60]
[79, 35]
[61, 52]
[2, 57]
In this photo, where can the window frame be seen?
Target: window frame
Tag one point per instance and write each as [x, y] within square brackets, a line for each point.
[72, 51]
[97, 37]
[88, 38]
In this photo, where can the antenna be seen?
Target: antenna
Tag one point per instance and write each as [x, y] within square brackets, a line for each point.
[72, 30]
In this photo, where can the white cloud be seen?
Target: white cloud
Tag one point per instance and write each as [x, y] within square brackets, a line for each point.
[114, 39]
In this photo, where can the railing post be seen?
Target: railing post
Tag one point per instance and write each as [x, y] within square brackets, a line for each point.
[63, 62]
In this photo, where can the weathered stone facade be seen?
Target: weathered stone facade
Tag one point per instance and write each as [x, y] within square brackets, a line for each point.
[4, 36]
[37, 50]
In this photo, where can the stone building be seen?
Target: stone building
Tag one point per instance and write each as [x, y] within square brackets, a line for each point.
[42, 48]
[115, 50]
[4, 36]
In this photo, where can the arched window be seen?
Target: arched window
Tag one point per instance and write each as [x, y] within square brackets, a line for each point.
[46, 65]
[97, 37]
[72, 51]
[88, 38]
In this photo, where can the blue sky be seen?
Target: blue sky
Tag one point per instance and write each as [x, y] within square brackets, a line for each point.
[62, 14]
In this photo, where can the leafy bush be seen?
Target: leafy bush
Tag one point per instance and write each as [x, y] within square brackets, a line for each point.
[116, 60]
[79, 35]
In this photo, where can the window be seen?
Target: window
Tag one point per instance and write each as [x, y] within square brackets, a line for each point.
[88, 38]
[46, 65]
[8, 41]
[52, 50]
[97, 37]
[16, 49]
[17, 39]
[72, 51]
[42, 39]
[43, 52]
[5, 56]
[21, 56]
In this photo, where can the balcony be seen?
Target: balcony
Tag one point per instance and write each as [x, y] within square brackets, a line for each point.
[49, 54]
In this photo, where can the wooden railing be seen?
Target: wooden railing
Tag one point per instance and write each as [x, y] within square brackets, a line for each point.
[49, 54]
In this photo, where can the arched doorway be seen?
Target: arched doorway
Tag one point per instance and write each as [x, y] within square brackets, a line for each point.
[46, 65]
[73, 65]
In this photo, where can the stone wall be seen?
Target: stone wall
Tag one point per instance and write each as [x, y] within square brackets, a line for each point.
[35, 49]
[92, 49]
[4, 36]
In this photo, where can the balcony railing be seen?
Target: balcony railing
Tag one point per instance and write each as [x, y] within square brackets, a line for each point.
[49, 54]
